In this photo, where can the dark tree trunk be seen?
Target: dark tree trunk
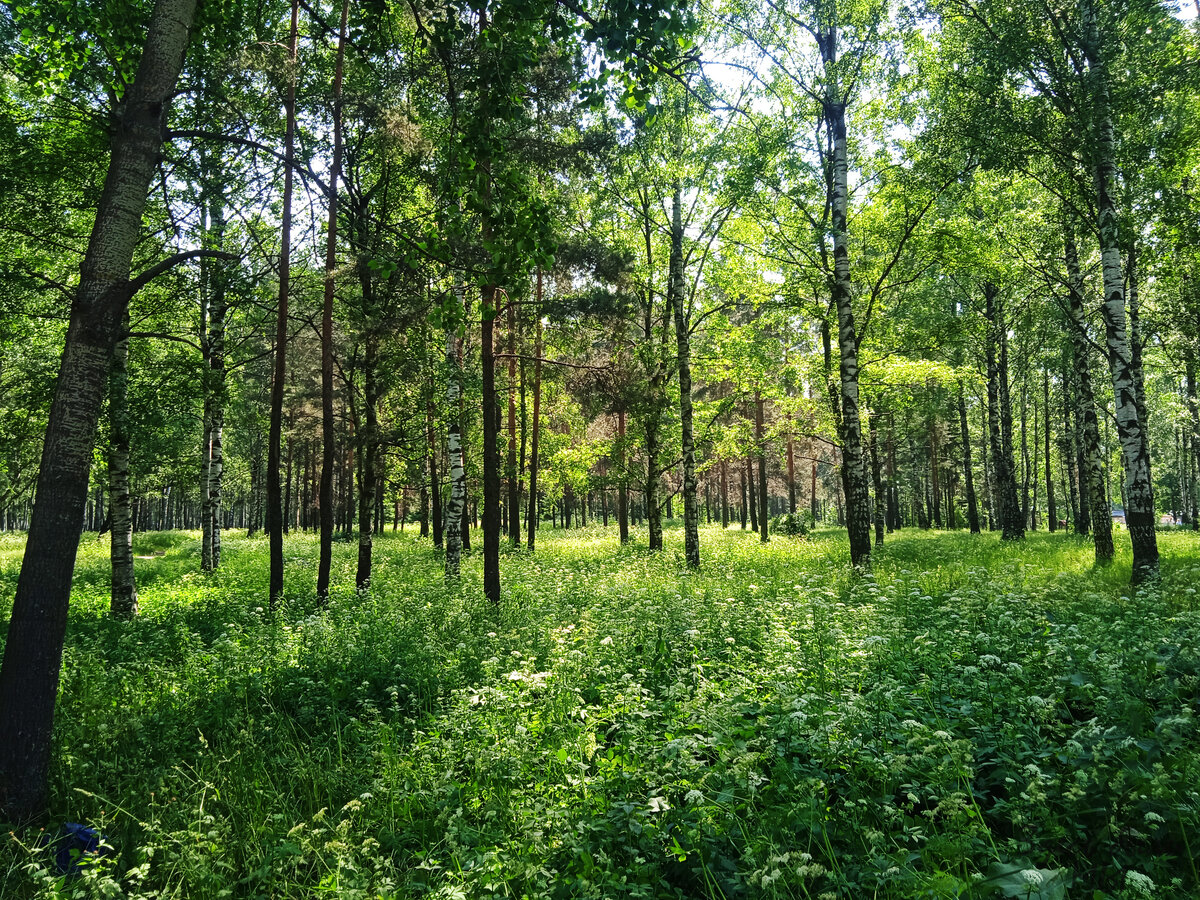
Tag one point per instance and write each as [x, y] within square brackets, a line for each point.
[1004, 482]
[683, 358]
[724, 494]
[752, 493]
[760, 451]
[744, 505]
[877, 479]
[124, 602]
[327, 421]
[33, 649]
[454, 449]
[934, 474]
[491, 451]
[1194, 427]
[791, 475]
[368, 441]
[274, 507]
[532, 512]
[513, 506]
[968, 468]
[1051, 508]
[435, 480]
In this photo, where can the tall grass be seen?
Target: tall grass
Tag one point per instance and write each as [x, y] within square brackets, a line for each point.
[971, 719]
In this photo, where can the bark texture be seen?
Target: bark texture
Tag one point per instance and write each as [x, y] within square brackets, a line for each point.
[854, 482]
[454, 450]
[683, 358]
[275, 433]
[33, 650]
[124, 602]
[1004, 481]
[328, 432]
[968, 468]
[1135, 456]
[1091, 457]
[531, 533]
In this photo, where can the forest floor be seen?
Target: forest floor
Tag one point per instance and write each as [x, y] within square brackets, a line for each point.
[971, 720]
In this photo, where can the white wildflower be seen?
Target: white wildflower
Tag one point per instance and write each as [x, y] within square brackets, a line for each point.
[1140, 884]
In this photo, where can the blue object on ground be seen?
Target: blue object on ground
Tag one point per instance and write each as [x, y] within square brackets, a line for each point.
[77, 838]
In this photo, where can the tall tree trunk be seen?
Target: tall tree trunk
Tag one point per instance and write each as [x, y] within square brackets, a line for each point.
[533, 512]
[854, 482]
[1034, 466]
[124, 601]
[1051, 508]
[212, 340]
[1193, 404]
[1067, 444]
[744, 505]
[653, 510]
[751, 493]
[683, 357]
[491, 450]
[327, 422]
[760, 451]
[623, 485]
[877, 479]
[1092, 459]
[274, 501]
[513, 507]
[1025, 467]
[791, 473]
[724, 494]
[1135, 356]
[1139, 494]
[454, 449]
[423, 497]
[435, 478]
[33, 648]
[368, 475]
[935, 481]
[989, 489]
[1004, 482]
[968, 468]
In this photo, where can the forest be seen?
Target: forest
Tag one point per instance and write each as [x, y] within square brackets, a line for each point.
[600, 448]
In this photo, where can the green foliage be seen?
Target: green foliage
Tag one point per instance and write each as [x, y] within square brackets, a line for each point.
[793, 524]
[972, 720]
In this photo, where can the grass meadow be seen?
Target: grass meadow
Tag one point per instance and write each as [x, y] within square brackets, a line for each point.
[970, 720]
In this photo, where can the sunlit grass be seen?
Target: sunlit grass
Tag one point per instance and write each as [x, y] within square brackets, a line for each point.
[621, 726]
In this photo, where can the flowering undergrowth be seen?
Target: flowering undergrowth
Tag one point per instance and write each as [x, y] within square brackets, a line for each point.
[971, 720]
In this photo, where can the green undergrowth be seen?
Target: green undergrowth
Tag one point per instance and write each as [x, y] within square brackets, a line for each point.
[971, 720]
